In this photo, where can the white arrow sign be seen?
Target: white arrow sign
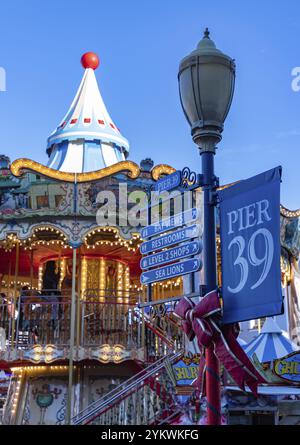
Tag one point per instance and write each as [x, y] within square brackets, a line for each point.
[170, 255]
[179, 236]
[178, 220]
[171, 271]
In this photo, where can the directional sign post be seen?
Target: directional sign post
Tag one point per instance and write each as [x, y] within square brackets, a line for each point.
[171, 271]
[162, 235]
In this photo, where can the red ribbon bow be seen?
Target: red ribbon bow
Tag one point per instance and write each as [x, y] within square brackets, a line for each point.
[200, 320]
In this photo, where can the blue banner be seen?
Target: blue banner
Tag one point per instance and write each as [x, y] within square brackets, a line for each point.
[250, 248]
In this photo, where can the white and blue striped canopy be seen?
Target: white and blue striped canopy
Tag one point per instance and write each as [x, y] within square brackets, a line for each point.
[241, 342]
[86, 139]
[270, 344]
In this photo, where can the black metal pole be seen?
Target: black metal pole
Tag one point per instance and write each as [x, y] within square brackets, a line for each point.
[149, 217]
[209, 235]
[210, 273]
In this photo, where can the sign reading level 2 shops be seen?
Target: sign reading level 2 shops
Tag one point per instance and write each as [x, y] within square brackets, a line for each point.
[171, 271]
[250, 248]
[167, 256]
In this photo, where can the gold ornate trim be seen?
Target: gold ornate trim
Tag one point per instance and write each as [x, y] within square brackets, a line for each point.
[289, 213]
[20, 165]
[161, 169]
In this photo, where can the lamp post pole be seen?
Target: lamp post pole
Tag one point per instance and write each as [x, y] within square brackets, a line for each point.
[210, 274]
[206, 85]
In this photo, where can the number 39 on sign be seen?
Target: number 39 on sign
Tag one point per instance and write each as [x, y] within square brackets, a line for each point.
[250, 246]
[252, 215]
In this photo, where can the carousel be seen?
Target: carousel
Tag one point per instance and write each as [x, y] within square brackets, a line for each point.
[70, 287]
[77, 342]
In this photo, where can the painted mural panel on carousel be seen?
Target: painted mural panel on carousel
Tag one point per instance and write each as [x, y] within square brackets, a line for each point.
[46, 401]
[34, 196]
[33, 200]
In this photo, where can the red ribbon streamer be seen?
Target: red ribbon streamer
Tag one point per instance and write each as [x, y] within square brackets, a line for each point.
[202, 320]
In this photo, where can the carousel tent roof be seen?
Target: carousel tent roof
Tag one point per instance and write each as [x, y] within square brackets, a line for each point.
[87, 139]
[241, 341]
[271, 343]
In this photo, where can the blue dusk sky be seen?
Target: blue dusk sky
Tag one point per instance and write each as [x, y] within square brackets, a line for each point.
[140, 44]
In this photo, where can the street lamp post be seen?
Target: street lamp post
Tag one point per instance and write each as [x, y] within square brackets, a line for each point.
[206, 85]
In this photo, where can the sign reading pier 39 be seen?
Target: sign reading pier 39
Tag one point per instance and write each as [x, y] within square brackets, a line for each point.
[250, 248]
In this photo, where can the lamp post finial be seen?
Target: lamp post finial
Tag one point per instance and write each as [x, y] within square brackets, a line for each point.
[206, 33]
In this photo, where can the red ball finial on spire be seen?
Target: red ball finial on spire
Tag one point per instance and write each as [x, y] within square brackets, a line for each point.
[90, 60]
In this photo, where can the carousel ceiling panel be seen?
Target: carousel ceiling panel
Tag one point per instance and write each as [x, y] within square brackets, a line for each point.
[42, 253]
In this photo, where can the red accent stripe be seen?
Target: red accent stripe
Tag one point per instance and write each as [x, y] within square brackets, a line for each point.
[73, 121]
[100, 121]
[112, 125]
[87, 120]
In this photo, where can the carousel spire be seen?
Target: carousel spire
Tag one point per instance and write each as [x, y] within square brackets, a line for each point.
[87, 139]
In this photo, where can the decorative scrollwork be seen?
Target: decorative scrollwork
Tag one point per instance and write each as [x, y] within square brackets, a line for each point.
[188, 178]
[158, 311]
[20, 165]
[191, 359]
[160, 170]
[61, 413]
[289, 213]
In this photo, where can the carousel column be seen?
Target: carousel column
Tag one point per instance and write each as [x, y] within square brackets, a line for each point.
[72, 338]
[9, 277]
[72, 314]
[9, 293]
[78, 302]
[31, 269]
[14, 299]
